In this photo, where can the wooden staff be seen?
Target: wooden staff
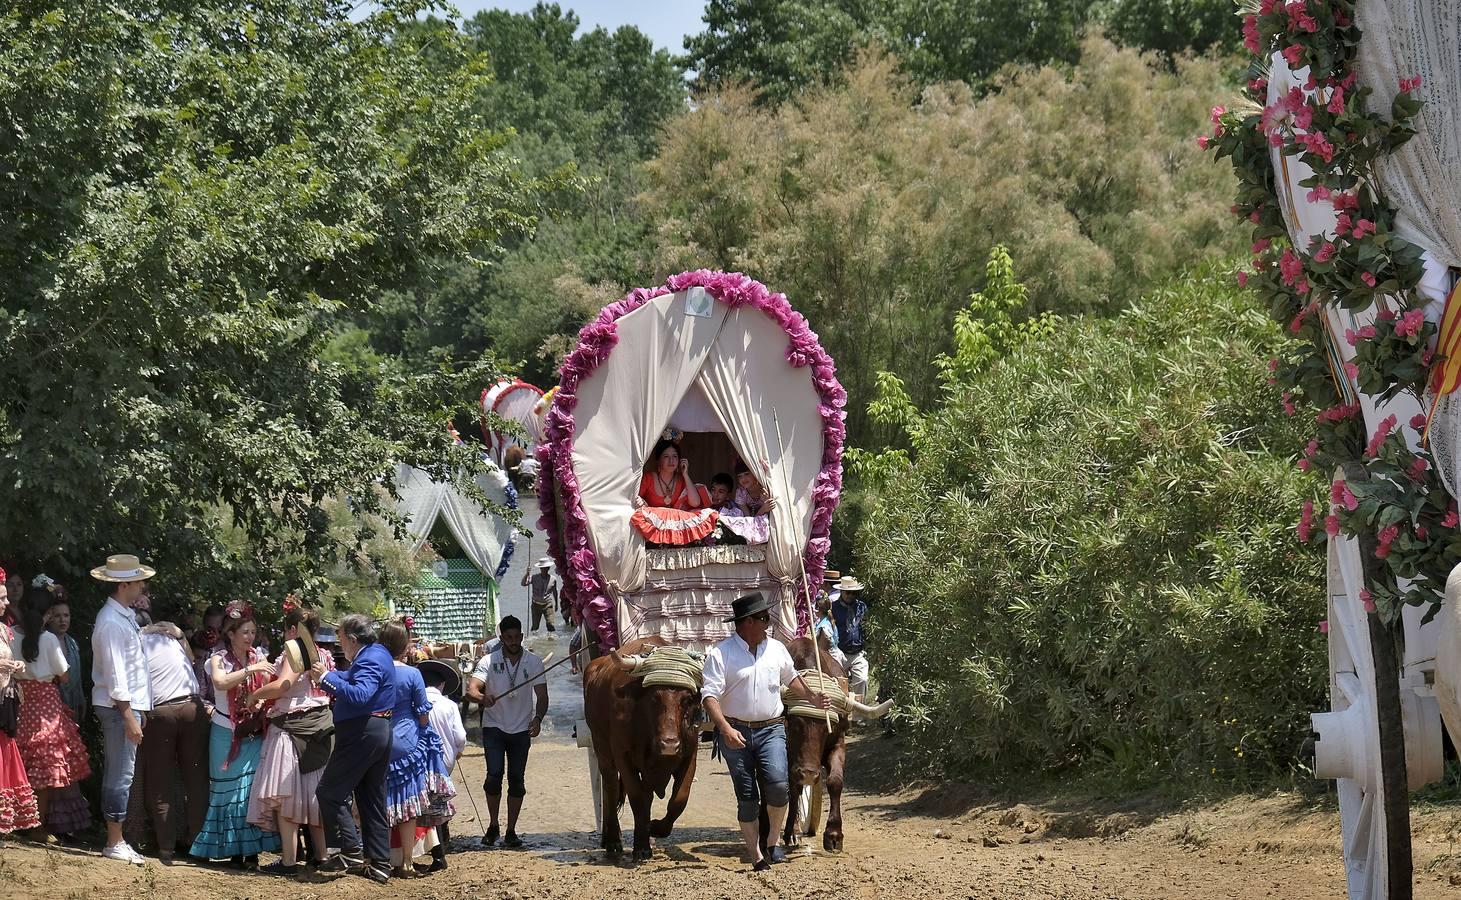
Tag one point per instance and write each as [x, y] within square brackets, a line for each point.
[802, 565]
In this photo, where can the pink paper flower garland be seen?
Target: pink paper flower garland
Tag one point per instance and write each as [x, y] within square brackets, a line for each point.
[563, 517]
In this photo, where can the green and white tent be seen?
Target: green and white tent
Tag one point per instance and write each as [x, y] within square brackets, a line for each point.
[457, 594]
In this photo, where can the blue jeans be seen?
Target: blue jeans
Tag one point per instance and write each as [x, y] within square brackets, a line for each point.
[758, 770]
[119, 762]
[509, 752]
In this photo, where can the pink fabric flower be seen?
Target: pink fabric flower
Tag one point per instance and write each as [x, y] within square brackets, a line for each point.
[1305, 465]
[1450, 520]
[1258, 86]
[1331, 525]
[1352, 370]
[1417, 469]
[1409, 84]
[1290, 266]
[1382, 431]
[1343, 200]
[1427, 356]
[1319, 192]
[1306, 521]
[1384, 539]
[1323, 626]
[1385, 315]
[1288, 405]
[1368, 601]
[1242, 278]
[1202, 141]
[1368, 278]
[1261, 244]
[1422, 533]
[1294, 53]
[1250, 34]
[1217, 114]
[1336, 102]
[1410, 323]
[1326, 252]
[1417, 421]
[1362, 228]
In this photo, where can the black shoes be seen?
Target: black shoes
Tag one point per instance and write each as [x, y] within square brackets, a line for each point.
[762, 865]
[490, 837]
[341, 863]
[512, 840]
[376, 872]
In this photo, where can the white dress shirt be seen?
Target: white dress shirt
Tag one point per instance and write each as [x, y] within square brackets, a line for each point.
[748, 685]
[50, 661]
[169, 670]
[118, 665]
[446, 721]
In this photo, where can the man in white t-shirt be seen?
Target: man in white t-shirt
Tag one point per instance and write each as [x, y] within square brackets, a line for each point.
[511, 718]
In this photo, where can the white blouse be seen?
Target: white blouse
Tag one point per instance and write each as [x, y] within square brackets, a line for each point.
[49, 662]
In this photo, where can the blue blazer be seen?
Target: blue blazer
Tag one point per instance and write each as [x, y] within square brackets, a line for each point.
[368, 686]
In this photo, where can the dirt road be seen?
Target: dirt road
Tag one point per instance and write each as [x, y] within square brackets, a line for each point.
[931, 843]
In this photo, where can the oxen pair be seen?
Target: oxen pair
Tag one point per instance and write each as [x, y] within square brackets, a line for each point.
[647, 737]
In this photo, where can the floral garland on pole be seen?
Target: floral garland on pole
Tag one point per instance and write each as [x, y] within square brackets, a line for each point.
[1362, 262]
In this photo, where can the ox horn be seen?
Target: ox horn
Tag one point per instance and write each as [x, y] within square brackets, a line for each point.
[630, 665]
[870, 712]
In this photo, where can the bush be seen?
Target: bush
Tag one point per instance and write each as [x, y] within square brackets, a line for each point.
[1091, 562]
[872, 206]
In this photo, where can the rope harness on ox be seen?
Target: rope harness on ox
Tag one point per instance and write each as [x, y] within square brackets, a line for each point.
[819, 683]
[670, 667]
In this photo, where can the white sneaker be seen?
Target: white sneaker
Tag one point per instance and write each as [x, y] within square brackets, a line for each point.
[122, 852]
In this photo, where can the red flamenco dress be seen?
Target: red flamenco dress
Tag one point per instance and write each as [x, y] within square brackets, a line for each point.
[17, 799]
[667, 517]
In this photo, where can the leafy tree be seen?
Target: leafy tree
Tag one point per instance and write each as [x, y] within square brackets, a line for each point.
[199, 197]
[1089, 563]
[592, 104]
[786, 46]
[872, 205]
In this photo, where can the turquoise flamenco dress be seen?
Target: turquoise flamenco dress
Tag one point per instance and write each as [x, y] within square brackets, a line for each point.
[417, 769]
[226, 832]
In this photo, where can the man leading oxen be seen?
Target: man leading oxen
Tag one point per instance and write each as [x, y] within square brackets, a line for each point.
[642, 714]
[816, 743]
[744, 677]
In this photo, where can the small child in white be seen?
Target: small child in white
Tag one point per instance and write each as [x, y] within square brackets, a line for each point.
[441, 680]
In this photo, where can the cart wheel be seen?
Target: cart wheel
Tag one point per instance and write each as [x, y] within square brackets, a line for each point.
[1361, 743]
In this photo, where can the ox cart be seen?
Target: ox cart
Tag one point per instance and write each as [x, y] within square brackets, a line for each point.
[727, 368]
[1325, 172]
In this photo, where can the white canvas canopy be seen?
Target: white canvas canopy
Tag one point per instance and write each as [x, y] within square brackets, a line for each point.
[482, 536]
[514, 401]
[724, 370]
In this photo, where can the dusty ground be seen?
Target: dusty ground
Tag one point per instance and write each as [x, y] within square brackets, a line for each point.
[942, 841]
[946, 841]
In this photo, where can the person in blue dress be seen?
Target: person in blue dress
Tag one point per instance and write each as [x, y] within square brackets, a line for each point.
[417, 769]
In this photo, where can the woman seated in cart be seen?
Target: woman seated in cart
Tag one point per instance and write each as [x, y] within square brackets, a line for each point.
[670, 509]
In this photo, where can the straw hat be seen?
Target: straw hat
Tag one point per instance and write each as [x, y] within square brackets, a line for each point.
[122, 568]
[848, 583]
[831, 575]
[301, 652]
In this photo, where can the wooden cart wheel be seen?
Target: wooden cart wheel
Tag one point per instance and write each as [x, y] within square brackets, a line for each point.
[1361, 742]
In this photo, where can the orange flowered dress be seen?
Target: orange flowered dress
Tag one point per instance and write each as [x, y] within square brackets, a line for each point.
[667, 518]
[17, 799]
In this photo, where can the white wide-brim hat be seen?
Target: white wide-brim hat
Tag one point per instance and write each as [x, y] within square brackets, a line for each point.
[122, 568]
[848, 583]
[545, 563]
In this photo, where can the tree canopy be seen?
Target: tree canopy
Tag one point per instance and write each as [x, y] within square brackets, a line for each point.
[786, 46]
[200, 196]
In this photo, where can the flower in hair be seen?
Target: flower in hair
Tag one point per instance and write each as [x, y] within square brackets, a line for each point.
[672, 435]
[238, 609]
[42, 581]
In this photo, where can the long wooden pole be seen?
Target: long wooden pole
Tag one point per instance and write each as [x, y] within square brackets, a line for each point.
[801, 562]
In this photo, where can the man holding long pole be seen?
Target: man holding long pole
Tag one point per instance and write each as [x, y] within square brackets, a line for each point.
[744, 675]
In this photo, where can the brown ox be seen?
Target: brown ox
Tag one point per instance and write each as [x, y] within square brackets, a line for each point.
[643, 737]
[817, 757]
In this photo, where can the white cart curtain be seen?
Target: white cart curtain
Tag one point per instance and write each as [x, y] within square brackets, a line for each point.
[622, 409]
[750, 386]
[482, 536]
[1404, 38]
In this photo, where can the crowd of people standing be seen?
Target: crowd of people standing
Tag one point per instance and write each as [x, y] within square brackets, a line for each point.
[216, 748]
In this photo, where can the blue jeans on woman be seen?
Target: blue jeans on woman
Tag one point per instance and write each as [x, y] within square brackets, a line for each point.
[119, 762]
[757, 770]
